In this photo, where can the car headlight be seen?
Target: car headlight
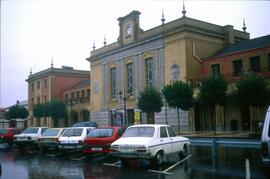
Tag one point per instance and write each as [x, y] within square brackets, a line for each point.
[114, 148]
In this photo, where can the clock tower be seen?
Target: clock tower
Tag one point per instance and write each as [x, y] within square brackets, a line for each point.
[129, 27]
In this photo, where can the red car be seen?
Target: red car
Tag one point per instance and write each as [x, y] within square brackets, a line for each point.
[6, 135]
[99, 140]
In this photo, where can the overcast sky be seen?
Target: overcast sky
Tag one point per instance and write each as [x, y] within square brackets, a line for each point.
[32, 31]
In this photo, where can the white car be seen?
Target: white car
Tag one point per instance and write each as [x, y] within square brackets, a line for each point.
[49, 139]
[265, 139]
[29, 136]
[73, 137]
[151, 142]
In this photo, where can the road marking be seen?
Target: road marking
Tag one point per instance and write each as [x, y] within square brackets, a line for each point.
[247, 169]
[162, 172]
[76, 159]
[50, 155]
[171, 167]
[116, 164]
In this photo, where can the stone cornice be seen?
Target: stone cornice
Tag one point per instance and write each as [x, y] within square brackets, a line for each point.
[58, 72]
[178, 25]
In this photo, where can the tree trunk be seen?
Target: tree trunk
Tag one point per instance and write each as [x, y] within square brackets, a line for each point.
[150, 118]
[54, 122]
[178, 116]
[213, 118]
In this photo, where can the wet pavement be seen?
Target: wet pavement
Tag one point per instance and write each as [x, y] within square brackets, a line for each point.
[227, 162]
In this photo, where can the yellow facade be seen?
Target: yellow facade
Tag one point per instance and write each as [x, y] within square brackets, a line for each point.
[176, 48]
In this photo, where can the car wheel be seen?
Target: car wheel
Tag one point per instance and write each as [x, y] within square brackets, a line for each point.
[124, 162]
[184, 152]
[10, 144]
[158, 160]
[88, 156]
[44, 150]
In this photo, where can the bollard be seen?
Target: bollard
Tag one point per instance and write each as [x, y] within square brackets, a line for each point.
[214, 155]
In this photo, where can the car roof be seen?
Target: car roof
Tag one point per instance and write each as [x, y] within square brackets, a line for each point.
[56, 128]
[80, 127]
[149, 125]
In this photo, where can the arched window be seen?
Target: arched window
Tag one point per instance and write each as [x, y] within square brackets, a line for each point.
[175, 72]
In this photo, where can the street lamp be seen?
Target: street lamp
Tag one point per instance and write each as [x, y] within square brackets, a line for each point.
[124, 98]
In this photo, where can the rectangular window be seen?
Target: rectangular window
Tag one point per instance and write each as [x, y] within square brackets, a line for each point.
[77, 95]
[215, 70]
[237, 67]
[88, 92]
[149, 72]
[83, 94]
[255, 64]
[38, 84]
[66, 98]
[113, 82]
[33, 86]
[45, 83]
[72, 96]
[130, 78]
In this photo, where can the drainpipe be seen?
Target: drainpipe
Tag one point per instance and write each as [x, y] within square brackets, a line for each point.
[194, 52]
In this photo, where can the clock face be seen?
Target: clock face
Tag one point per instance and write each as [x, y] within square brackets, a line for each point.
[129, 30]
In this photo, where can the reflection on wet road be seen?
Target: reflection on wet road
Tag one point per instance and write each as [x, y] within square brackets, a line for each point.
[227, 162]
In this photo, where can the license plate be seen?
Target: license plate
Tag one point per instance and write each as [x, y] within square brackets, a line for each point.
[96, 148]
[68, 147]
[21, 138]
[127, 149]
[73, 141]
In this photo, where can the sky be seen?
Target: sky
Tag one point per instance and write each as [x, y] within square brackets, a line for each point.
[33, 32]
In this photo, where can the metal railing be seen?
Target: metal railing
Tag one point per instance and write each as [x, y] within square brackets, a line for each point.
[226, 142]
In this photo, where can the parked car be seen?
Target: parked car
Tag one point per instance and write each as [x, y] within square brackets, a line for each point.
[49, 139]
[151, 142]
[73, 137]
[99, 140]
[85, 124]
[265, 139]
[6, 135]
[29, 137]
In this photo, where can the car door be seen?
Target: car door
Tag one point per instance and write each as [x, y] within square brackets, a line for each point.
[165, 140]
[174, 140]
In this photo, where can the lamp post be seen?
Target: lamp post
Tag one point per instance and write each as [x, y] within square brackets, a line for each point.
[124, 98]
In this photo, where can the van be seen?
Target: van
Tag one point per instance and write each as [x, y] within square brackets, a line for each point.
[265, 140]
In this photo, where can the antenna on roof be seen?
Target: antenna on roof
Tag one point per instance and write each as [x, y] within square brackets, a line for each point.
[162, 17]
[94, 45]
[104, 40]
[184, 10]
[30, 70]
[52, 62]
[244, 26]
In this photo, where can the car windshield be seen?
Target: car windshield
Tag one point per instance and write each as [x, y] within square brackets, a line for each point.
[100, 133]
[85, 124]
[73, 132]
[30, 131]
[139, 132]
[3, 131]
[51, 132]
